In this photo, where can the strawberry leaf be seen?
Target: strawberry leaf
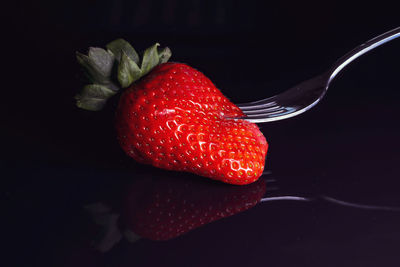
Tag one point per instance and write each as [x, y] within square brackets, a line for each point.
[93, 97]
[150, 58]
[164, 54]
[93, 72]
[119, 62]
[103, 60]
[128, 71]
[120, 45]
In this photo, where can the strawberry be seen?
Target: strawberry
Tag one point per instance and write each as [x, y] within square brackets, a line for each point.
[164, 208]
[172, 116]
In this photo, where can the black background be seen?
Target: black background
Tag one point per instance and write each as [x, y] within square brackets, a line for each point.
[55, 157]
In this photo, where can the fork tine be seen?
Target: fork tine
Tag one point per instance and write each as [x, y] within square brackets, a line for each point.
[264, 103]
[261, 110]
[262, 114]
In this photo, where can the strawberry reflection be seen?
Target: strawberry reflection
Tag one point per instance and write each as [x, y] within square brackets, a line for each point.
[163, 208]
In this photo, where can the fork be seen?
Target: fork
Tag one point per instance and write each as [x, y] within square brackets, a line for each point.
[307, 94]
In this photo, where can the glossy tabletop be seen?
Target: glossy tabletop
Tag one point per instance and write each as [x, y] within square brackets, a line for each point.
[329, 196]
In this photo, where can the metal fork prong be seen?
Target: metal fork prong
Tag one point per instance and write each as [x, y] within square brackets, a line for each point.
[261, 110]
[263, 114]
[264, 103]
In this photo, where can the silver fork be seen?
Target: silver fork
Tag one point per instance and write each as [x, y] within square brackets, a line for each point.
[307, 94]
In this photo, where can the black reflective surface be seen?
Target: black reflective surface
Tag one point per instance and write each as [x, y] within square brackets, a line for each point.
[67, 187]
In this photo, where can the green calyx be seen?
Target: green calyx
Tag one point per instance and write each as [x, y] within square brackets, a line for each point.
[119, 64]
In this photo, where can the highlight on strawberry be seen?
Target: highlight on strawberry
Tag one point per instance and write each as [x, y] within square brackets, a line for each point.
[172, 116]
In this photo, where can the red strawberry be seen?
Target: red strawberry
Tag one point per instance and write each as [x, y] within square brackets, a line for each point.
[165, 208]
[175, 118]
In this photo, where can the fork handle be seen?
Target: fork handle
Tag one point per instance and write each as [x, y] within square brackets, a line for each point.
[362, 49]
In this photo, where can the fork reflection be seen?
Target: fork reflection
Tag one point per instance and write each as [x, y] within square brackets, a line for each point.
[281, 196]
